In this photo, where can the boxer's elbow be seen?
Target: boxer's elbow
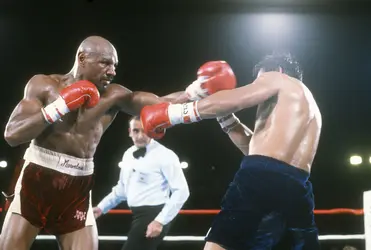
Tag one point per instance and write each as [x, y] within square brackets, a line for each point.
[11, 138]
[12, 135]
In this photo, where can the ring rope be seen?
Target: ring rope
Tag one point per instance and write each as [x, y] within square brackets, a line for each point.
[366, 212]
[216, 211]
[202, 238]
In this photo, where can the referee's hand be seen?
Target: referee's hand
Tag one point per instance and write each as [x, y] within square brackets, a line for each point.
[97, 212]
[154, 229]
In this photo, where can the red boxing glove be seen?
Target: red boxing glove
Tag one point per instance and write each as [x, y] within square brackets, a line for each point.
[213, 76]
[157, 134]
[79, 93]
[71, 98]
[155, 120]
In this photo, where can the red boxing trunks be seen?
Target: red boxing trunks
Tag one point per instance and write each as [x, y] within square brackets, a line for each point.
[53, 191]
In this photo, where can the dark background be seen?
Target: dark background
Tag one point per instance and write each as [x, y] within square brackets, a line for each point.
[160, 47]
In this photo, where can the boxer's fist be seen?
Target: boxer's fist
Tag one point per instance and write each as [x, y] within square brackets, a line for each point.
[80, 93]
[212, 77]
[155, 120]
[157, 134]
[71, 98]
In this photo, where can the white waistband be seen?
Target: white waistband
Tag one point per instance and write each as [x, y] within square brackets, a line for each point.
[59, 162]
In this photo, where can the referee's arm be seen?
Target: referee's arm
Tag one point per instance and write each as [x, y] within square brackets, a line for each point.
[174, 175]
[115, 197]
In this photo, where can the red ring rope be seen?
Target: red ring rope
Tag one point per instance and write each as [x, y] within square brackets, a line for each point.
[215, 211]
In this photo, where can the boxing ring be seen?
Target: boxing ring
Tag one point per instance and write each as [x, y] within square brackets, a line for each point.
[365, 212]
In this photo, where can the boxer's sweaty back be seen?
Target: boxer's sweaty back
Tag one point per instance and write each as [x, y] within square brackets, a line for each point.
[288, 126]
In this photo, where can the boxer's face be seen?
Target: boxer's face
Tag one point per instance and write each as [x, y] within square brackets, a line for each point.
[100, 68]
[136, 132]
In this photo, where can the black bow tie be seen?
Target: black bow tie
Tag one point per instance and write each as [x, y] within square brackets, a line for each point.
[139, 152]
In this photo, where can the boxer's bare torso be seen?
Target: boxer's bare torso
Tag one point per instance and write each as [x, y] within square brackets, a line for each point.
[288, 125]
[288, 122]
[79, 132]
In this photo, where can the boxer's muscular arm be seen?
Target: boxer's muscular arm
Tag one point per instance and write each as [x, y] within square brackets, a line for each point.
[27, 121]
[176, 97]
[238, 132]
[240, 135]
[141, 99]
[230, 101]
[132, 102]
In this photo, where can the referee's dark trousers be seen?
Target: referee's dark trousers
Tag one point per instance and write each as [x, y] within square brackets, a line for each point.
[142, 216]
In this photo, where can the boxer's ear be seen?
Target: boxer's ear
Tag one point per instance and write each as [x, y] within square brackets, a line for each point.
[81, 58]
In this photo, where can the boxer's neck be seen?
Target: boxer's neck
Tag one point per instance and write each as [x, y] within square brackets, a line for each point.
[74, 72]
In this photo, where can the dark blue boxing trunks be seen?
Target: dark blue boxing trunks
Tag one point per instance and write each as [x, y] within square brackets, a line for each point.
[267, 199]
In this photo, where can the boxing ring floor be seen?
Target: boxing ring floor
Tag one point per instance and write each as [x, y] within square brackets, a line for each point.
[196, 240]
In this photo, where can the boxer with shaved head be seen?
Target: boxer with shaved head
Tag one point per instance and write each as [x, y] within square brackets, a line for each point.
[63, 117]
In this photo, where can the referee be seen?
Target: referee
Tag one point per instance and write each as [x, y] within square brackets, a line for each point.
[153, 184]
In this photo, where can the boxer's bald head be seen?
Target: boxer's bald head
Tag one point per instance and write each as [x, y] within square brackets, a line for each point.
[97, 44]
[281, 62]
[96, 61]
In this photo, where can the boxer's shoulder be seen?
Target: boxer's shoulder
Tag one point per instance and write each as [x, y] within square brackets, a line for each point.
[275, 78]
[56, 77]
[286, 83]
[120, 95]
[40, 84]
[297, 89]
[117, 91]
[42, 79]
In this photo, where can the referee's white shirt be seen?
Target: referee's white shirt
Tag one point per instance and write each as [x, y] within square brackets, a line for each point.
[149, 181]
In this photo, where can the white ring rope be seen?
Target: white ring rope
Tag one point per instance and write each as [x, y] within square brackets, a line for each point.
[367, 224]
[202, 238]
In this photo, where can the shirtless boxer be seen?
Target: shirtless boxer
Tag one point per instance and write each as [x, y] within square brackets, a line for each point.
[64, 118]
[272, 226]
[273, 177]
